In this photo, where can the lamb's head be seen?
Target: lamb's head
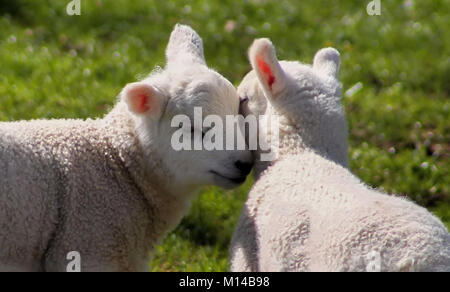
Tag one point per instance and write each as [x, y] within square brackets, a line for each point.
[171, 108]
[306, 99]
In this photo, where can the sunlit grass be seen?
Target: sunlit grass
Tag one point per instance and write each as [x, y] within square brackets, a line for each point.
[56, 66]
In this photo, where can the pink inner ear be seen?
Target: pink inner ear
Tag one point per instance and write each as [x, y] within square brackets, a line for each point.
[266, 69]
[142, 103]
[140, 99]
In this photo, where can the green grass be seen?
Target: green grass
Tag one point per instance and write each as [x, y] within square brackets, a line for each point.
[56, 66]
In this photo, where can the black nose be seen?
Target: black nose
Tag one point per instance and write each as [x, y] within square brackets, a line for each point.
[244, 167]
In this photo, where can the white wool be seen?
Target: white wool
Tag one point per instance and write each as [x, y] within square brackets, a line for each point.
[307, 211]
[111, 188]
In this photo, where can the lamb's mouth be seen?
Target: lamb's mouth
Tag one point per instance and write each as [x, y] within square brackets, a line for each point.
[237, 180]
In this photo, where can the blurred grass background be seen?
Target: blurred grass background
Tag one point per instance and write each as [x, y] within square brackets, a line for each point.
[57, 66]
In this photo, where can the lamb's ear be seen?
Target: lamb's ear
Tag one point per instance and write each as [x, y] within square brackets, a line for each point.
[143, 99]
[185, 45]
[327, 62]
[264, 61]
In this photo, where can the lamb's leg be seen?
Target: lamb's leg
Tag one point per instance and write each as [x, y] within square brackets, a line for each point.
[244, 246]
[239, 261]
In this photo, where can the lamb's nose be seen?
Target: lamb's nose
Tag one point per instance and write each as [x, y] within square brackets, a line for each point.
[244, 167]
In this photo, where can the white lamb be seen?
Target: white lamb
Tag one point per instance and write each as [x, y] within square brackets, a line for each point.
[307, 212]
[111, 188]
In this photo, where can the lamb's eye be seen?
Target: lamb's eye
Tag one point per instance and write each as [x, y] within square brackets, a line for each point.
[243, 100]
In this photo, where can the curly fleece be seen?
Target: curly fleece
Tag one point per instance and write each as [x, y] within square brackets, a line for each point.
[307, 211]
[79, 185]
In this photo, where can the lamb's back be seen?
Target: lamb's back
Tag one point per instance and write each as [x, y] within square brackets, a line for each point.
[316, 212]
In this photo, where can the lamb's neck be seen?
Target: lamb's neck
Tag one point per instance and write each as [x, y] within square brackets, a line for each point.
[284, 143]
[148, 172]
[144, 165]
[290, 142]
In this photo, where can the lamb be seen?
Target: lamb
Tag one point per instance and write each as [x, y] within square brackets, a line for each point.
[307, 211]
[111, 188]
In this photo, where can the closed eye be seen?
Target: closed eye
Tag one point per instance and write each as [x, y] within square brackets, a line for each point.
[243, 100]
